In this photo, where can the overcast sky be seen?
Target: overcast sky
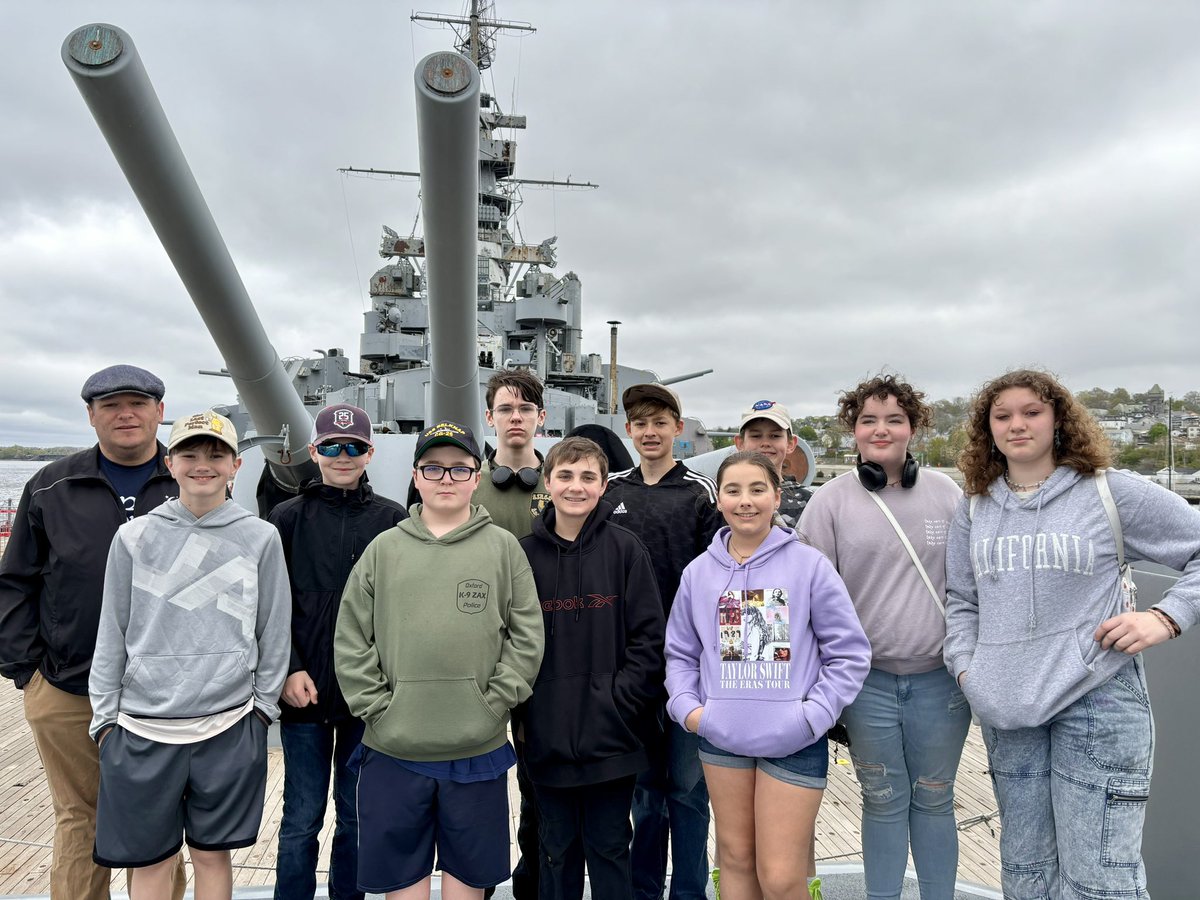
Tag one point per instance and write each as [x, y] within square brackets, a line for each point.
[794, 194]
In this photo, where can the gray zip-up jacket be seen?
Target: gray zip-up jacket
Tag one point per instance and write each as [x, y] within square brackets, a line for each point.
[1030, 580]
[196, 617]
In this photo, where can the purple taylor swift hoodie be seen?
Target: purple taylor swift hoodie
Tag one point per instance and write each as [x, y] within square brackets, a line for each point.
[771, 648]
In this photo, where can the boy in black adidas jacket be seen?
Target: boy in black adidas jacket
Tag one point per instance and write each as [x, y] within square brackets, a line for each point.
[594, 704]
[673, 511]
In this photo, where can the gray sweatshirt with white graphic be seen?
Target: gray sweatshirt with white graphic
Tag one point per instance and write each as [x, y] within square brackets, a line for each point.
[1030, 580]
[196, 617]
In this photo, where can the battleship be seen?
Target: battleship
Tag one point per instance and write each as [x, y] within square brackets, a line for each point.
[452, 305]
[449, 308]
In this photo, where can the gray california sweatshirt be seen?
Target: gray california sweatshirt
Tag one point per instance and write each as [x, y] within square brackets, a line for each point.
[1030, 580]
[196, 617]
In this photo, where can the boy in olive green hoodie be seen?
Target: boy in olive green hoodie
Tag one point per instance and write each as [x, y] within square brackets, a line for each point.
[438, 638]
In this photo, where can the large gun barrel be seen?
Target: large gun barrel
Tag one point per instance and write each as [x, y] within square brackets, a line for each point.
[109, 74]
[448, 135]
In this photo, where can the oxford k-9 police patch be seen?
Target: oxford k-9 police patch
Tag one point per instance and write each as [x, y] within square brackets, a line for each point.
[472, 595]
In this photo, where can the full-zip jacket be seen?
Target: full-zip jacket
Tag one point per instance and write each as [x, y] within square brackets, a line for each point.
[324, 532]
[675, 518]
[594, 705]
[52, 573]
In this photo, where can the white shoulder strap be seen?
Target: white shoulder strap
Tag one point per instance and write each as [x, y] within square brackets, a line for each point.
[912, 554]
[1110, 509]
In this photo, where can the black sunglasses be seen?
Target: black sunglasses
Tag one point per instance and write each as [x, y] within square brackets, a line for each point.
[334, 448]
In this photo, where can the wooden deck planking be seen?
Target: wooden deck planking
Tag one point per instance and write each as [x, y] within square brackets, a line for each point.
[27, 819]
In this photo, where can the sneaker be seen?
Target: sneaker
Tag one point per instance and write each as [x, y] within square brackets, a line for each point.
[814, 889]
[716, 880]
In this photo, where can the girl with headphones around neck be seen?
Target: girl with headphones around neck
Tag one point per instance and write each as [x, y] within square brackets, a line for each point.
[908, 725]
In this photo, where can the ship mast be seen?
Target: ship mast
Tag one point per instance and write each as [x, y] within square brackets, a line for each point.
[477, 31]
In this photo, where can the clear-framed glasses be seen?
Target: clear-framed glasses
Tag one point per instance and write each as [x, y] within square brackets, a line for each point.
[527, 411]
[334, 448]
[457, 473]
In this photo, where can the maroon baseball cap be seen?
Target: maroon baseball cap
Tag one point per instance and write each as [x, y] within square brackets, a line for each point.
[341, 422]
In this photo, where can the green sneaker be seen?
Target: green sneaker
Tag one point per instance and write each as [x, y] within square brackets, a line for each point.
[814, 889]
[716, 878]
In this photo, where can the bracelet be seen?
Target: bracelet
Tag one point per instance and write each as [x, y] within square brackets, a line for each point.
[1172, 629]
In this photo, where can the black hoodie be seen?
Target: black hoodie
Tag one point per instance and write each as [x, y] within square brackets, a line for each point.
[594, 704]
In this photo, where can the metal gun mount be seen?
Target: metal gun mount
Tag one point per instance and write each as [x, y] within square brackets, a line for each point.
[107, 70]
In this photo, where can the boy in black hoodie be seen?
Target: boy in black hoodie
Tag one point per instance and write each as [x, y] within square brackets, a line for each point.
[594, 702]
[324, 532]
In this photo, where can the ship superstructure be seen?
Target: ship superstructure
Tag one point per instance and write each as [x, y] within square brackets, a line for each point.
[527, 316]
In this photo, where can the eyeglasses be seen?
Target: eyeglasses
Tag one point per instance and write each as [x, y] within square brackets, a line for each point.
[457, 473]
[527, 411]
[334, 449]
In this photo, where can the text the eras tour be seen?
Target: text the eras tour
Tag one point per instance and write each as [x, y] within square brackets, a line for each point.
[761, 675]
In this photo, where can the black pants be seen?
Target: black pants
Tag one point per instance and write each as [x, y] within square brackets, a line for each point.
[589, 823]
[525, 874]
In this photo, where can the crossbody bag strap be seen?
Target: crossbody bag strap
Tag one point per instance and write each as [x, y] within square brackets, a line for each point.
[912, 554]
[1128, 587]
[1110, 509]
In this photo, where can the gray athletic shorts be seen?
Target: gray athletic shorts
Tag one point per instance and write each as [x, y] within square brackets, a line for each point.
[152, 794]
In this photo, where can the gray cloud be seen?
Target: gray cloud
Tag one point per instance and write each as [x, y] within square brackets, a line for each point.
[795, 195]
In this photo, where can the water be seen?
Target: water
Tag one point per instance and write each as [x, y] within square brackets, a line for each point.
[13, 475]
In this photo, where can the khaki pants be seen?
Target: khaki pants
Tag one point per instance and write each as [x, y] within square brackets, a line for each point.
[59, 722]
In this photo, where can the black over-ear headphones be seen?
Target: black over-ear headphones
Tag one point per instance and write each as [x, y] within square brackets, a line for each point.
[504, 478]
[873, 477]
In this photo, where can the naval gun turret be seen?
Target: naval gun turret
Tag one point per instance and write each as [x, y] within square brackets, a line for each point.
[106, 68]
[108, 71]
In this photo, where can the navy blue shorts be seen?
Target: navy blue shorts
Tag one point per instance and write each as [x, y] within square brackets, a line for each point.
[806, 768]
[403, 817]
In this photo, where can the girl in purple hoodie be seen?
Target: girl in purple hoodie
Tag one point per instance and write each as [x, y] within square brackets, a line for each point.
[764, 650]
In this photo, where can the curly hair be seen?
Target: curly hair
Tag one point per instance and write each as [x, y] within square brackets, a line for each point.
[1080, 443]
[912, 401]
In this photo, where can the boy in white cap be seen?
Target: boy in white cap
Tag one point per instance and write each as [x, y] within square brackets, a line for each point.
[767, 428]
[324, 531]
[191, 655]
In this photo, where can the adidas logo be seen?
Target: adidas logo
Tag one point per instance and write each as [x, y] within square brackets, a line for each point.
[620, 508]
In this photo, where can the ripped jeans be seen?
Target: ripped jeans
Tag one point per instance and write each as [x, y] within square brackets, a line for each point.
[906, 739]
[1073, 795]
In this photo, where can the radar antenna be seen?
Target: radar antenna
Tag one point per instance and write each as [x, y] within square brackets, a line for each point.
[476, 32]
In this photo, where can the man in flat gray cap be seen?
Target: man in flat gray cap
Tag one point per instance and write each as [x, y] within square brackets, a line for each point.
[51, 583]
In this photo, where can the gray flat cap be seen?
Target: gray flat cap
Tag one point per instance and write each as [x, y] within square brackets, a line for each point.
[122, 380]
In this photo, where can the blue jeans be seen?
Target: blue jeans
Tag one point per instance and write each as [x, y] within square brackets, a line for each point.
[671, 798]
[1073, 794]
[310, 751]
[906, 739]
